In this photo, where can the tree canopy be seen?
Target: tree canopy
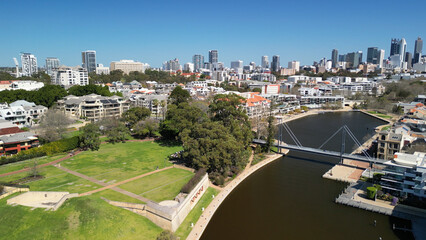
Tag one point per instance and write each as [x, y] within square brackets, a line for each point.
[179, 95]
[46, 96]
[77, 90]
[136, 114]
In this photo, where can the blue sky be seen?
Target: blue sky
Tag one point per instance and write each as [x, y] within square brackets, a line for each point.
[157, 31]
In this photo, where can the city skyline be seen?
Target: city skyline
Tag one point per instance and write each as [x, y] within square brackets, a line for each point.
[147, 36]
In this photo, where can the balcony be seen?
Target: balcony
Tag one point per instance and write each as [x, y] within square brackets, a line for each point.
[407, 174]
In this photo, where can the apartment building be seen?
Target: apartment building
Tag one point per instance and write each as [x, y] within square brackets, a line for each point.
[22, 113]
[388, 144]
[93, 107]
[156, 103]
[405, 174]
[255, 105]
[69, 76]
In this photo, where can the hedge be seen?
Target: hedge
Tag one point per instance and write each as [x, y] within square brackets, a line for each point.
[371, 192]
[187, 188]
[60, 146]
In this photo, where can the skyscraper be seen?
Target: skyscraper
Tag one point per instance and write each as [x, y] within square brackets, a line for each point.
[380, 57]
[51, 64]
[353, 59]
[394, 47]
[265, 62]
[418, 46]
[29, 64]
[294, 65]
[334, 57]
[402, 49]
[275, 65]
[372, 55]
[198, 61]
[408, 60]
[213, 56]
[237, 65]
[89, 60]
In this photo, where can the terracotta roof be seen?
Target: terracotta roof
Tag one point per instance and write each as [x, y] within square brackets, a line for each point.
[10, 130]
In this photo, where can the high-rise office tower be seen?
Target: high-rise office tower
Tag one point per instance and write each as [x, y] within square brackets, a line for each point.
[275, 65]
[372, 55]
[380, 57]
[394, 46]
[342, 58]
[353, 59]
[198, 61]
[334, 57]
[213, 56]
[402, 49]
[51, 64]
[89, 60]
[29, 64]
[408, 60]
[418, 46]
[265, 62]
[294, 65]
[237, 64]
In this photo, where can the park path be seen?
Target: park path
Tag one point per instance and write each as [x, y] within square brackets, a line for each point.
[42, 165]
[115, 188]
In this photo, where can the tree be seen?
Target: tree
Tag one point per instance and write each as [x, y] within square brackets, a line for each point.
[259, 90]
[179, 95]
[146, 128]
[156, 103]
[53, 124]
[136, 114]
[119, 133]
[34, 170]
[78, 90]
[89, 139]
[271, 133]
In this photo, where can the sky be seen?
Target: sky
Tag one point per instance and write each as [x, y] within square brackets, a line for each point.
[156, 31]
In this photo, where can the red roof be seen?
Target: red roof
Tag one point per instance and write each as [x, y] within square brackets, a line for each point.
[10, 130]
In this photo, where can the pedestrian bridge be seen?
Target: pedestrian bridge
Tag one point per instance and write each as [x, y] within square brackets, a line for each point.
[342, 155]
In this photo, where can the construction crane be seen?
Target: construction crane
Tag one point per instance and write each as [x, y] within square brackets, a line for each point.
[17, 67]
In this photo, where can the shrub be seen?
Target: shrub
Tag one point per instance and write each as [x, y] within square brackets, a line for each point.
[371, 192]
[1, 189]
[219, 180]
[187, 188]
[166, 235]
[63, 145]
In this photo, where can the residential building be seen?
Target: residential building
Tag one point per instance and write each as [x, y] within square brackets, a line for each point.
[405, 175]
[13, 139]
[198, 61]
[287, 72]
[22, 113]
[275, 65]
[100, 69]
[334, 58]
[213, 56]
[51, 64]
[320, 101]
[271, 89]
[255, 105]
[69, 76]
[388, 144]
[188, 67]
[237, 66]
[93, 107]
[27, 85]
[128, 66]
[172, 65]
[89, 60]
[156, 103]
[294, 65]
[418, 47]
[380, 57]
[29, 64]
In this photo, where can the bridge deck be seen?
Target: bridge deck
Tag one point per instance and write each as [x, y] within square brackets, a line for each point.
[323, 152]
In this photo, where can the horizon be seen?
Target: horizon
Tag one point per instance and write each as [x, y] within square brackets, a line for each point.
[246, 32]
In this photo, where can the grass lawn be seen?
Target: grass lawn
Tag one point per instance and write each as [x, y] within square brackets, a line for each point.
[120, 161]
[160, 186]
[10, 167]
[384, 116]
[116, 196]
[385, 128]
[79, 218]
[55, 180]
[193, 216]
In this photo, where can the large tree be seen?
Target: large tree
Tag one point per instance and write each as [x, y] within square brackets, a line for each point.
[53, 124]
[179, 95]
[136, 114]
[146, 128]
[89, 139]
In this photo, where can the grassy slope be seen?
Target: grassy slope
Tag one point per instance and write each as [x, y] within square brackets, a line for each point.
[160, 186]
[28, 163]
[122, 160]
[193, 216]
[79, 218]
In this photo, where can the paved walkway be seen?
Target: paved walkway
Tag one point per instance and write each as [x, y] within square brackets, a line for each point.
[208, 213]
[42, 165]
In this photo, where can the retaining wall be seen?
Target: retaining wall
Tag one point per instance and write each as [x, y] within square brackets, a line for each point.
[11, 190]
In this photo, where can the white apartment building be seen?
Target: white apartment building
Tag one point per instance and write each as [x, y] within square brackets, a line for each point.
[26, 85]
[100, 69]
[156, 103]
[93, 107]
[304, 79]
[188, 67]
[29, 64]
[68, 76]
[22, 113]
[128, 66]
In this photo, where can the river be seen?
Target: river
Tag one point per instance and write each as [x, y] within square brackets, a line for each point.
[289, 199]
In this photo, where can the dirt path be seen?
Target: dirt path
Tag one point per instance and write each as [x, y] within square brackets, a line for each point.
[40, 166]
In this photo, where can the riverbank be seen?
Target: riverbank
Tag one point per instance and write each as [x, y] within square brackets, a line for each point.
[287, 118]
[208, 213]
